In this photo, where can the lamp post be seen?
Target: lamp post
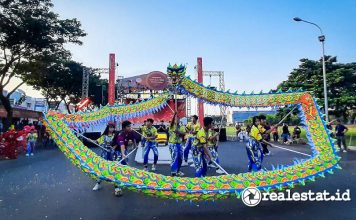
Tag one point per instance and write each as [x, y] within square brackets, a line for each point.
[322, 41]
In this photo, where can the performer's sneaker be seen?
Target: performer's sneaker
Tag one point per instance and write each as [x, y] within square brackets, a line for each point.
[145, 168]
[219, 171]
[192, 165]
[31, 154]
[27, 155]
[97, 187]
[344, 151]
[211, 165]
[267, 154]
[153, 167]
[118, 192]
[180, 173]
[184, 163]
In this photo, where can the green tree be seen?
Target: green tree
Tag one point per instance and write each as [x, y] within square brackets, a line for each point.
[271, 119]
[292, 119]
[62, 82]
[341, 83]
[30, 33]
[51, 79]
[72, 93]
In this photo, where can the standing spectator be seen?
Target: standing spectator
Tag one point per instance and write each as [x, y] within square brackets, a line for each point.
[45, 140]
[268, 128]
[265, 131]
[296, 132]
[340, 131]
[243, 135]
[238, 130]
[162, 129]
[285, 134]
[31, 141]
[275, 133]
[21, 124]
[17, 125]
[330, 127]
[248, 129]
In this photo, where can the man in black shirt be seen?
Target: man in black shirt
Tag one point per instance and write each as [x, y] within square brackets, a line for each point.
[285, 134]
[163, 129]
[265, 131]
[340, 131]
[296, 132]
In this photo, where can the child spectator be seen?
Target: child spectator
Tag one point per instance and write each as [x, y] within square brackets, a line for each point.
[31, 142]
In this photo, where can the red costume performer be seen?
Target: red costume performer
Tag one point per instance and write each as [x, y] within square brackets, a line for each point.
[10, 150]
[3, 145]
[21, 140]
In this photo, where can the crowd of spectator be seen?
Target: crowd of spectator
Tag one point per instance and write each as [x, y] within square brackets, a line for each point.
[285, 137]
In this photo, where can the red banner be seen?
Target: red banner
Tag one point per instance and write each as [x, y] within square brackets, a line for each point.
[156, 80]
[83, 103]
[111, 89]
[165, 114]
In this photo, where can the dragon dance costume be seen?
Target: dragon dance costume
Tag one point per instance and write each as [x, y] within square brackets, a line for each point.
[175, 148]
[213, 147]
[9, 143]
[123, 139]
[200, 162]
[150, 145]
[188, 145]
[105, 141]
[254, 150]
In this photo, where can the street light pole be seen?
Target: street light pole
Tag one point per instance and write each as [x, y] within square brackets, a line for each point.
[324, 77]
[322, 41]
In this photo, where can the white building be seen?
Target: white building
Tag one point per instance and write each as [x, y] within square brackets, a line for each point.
[18, 99]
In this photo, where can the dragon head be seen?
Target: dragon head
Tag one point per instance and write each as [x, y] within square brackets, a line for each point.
[176, 73]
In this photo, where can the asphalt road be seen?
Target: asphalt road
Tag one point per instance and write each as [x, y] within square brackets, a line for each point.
[48, 186]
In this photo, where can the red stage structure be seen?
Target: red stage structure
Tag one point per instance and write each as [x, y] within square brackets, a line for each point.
[142, 87]
[200, 80]
[111, 89]
[165, 114]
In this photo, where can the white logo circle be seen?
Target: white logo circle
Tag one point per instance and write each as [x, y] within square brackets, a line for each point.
[251, 196]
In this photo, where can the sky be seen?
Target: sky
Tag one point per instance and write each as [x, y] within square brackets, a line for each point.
[256, 43]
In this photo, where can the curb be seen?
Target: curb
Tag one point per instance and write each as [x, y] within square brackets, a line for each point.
[352, 148]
